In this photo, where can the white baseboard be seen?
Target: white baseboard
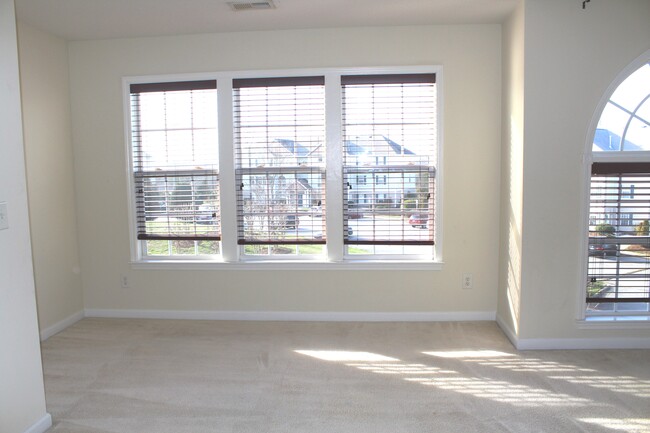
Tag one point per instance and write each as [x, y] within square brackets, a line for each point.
[318, 316]
[510, 333]
[582, 343]
[292, 316]
[570, 343]
[60, 326]
[41, 425]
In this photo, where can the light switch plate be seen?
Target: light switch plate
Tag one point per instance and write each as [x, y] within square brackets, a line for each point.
[4, 219]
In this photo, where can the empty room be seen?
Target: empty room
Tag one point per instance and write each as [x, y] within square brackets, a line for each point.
[325, 216]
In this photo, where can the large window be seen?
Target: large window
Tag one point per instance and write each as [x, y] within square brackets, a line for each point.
[175, 168]
[280, 163]
[618, 271]
[322, 167]
[389, 131]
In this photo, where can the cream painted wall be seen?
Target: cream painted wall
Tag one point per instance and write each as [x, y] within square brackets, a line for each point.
[512, 164]
[22, 397]
[571, 57]
[471, 57]
[50, 169]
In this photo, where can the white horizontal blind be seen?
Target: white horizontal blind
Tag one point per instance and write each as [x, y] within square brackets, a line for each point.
[279, 133]
[390, 148]
[175, 160]
[619, 238]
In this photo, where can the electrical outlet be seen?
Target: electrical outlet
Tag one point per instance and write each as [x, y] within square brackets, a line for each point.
[468, 281]
[124, 280]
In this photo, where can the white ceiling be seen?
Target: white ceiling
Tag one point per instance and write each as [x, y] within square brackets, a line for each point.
[101, 19]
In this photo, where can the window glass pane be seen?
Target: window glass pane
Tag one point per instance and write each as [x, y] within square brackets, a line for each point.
[280, 140]
[639, 133]
[178, 206]
[610, 129]
[167, 248]
[643, 113]
[624, 124]
[280, 207]
[178, 129]
[632, 91]
[390, 136]
[175, 169]
[415, 250]
[619, 242]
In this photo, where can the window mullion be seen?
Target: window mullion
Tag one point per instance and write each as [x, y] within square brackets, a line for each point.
[334, 173]
[229, 249]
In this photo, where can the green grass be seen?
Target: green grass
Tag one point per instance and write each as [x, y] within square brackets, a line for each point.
[283, 249]
[188, 248]
[594, 289]
[162, 247]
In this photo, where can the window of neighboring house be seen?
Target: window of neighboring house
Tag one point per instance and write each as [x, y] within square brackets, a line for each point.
[390, 136]
[279, 127]
[175, 168]
[618, 270]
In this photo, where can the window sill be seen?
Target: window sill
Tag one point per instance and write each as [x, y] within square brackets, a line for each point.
[615, 322]
[284, 265]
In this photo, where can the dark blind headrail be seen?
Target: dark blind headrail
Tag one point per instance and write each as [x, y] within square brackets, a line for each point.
[274, 241]
[598, 168]
[173, 86]
[347, 80]
[171, 237]
[240, 83]
[596, 300]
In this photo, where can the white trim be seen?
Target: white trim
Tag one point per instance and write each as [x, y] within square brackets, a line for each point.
[577, 343]
[134, 245]
[227, 178]
[582, 343]
[440, 177]
[282, 265]
[614, 323]
[334, 150]
[292, 316]
[61, 325]
[619, 156]
[42, 425]
[510, 333]
[588, 157]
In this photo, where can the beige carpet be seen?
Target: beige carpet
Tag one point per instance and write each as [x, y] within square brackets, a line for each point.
[139, 376]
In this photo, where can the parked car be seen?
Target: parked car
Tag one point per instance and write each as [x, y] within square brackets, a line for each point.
[418, 220]
[602, 250]
[291, 221]
[207, 214]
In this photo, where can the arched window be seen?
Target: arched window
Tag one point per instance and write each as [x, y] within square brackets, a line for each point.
[624, 124]
[618, 269]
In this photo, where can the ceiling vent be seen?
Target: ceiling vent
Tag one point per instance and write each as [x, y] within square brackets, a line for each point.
[251, 5]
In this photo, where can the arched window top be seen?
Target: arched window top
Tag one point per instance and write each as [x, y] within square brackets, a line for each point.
[624, 124]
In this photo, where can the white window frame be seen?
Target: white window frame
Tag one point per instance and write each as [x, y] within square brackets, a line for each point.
[334, 257]
[604, 321]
